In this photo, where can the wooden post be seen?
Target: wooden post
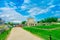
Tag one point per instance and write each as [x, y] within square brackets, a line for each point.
[50, 38]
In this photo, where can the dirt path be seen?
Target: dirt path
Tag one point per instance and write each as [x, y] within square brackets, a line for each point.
[18, 33]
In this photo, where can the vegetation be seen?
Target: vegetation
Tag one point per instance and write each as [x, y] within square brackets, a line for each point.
[23, 22]
[49, 20]
[47, 26]
[37, 30]
[2, 26]
[10, 24]
[4, 34]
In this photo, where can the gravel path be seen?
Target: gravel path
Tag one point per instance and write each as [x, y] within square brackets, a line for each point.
[18, 33]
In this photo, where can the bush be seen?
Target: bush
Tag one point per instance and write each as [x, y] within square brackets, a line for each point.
[1, 31]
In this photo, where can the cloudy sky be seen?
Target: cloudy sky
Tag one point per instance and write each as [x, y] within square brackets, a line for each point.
[20, 10]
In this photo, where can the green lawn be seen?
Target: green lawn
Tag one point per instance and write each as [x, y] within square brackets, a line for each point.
[4, 34]
[48, 26]
[55, 34]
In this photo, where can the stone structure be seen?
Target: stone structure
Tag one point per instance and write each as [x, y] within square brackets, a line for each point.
[30, 22]
[59, 20]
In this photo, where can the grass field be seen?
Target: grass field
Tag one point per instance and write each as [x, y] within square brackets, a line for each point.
[4, 34]
[38, 30]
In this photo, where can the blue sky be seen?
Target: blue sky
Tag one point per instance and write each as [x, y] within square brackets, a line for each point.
[20, 10]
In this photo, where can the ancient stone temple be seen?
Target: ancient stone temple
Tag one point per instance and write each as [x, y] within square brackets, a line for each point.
[31, 22]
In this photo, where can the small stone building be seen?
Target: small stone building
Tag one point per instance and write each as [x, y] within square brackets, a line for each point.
[59, 20]
[31, 22]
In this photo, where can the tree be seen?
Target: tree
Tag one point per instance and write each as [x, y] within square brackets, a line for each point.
[23, 22]
[38, 21]
[10, 23]
[49, 20]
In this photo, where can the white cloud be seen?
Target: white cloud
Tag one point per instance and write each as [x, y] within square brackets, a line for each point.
[11, 15]
[57, 11]
[23, 7]
[16, 21]
[11, 5]
[51, 6]
[56, 15]
[34, 11]
[26, 1]
[6, 8]
[27, 5]
[51, 2]
[37, 10]
[4, 15]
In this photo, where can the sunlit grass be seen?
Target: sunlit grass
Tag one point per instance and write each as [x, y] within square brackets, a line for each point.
[55, 34]
[4, 34]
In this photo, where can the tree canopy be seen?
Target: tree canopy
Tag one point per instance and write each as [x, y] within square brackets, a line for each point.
[49, 20]
[23, 22]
